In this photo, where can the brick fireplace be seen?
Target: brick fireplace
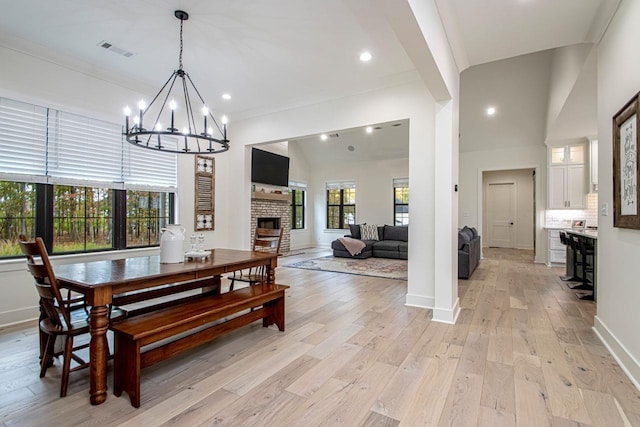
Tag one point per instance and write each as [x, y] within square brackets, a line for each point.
[274, 214]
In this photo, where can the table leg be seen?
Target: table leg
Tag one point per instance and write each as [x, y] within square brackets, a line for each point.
[215, 287]
[271, 274]
[98, 348]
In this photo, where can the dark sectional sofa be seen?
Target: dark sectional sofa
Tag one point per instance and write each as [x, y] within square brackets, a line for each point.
[468, 251]
[392, 243]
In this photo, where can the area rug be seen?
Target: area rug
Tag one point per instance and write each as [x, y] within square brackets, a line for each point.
[377, 267]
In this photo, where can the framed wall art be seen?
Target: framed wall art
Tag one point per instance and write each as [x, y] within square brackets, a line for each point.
[204, 193]
[626, 166]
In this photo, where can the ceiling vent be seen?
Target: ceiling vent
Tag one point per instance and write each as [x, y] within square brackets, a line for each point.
[115, 49]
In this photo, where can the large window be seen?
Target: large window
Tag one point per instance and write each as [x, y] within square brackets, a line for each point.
[82, 218]
[75, 182]
[147, 213]
[17, 215]
[401, 201]
[341, 205]
[297, 208]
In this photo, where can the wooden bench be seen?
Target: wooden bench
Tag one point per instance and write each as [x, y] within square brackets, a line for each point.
[132, 334]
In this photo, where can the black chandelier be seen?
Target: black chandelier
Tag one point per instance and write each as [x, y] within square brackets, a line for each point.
[210, 140]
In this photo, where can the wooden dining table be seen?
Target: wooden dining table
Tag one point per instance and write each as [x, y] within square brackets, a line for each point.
[100, 281]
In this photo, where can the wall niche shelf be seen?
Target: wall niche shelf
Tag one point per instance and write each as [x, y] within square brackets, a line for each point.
[260, 195]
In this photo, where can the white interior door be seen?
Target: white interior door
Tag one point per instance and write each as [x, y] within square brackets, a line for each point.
[501, 214]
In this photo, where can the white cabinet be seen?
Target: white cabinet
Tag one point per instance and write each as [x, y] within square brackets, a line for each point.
[567, 177]
[557, 251]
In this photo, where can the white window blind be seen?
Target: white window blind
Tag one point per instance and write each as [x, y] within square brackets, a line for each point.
[340, 185]
[23, 132]
[400, 182]
[39, 144]
[152, 170]
[84, 149]
[295, 185]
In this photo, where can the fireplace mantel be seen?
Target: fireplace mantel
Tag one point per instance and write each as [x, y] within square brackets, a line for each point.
[262, 195]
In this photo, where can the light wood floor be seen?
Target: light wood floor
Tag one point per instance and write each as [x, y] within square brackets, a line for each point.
[522, 354]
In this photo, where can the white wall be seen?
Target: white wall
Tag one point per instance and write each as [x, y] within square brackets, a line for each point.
[524, 204]
[473, 164]
[374, 193]
[299, 171]
[566, 65]
[618, 290]
[518, 88]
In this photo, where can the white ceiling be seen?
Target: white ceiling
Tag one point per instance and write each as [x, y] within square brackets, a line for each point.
[268, 55]
[280, 54]
[385, 142]
[490, 30]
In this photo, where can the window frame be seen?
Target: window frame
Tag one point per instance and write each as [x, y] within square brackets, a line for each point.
[341, 208]
[293, 207]
[400, 184]
[45, 222]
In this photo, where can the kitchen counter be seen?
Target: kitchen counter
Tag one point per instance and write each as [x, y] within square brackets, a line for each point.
[591, 234]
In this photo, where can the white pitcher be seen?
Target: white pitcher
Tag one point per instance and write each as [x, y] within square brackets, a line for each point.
[172, 244]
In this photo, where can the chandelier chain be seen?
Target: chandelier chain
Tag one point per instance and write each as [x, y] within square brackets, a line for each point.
[181, 45]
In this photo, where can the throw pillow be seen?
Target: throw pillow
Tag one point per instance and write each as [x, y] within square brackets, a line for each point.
[355, 231]
[369, 231]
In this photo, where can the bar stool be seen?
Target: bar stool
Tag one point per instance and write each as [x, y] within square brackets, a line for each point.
[587, 252]
[580, 262]
[571, 258]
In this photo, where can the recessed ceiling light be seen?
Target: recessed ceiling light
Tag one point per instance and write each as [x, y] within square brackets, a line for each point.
[365, 56]
[491, 111]
[369, 129]
[351, 148]
[324, 137]
[226, 96]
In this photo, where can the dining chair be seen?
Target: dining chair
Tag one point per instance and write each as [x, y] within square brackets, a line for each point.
[265, 240]
[60, 316]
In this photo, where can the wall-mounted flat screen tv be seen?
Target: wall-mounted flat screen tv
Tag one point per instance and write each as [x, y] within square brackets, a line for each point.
[269, 168]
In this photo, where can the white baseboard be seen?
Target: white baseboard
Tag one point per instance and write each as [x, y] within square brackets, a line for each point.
[627, 362]
[420, 301]
[21, 315]
[447, 315]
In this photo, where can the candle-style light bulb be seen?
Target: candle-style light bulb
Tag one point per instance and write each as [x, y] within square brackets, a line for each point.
[185, 131]
[136, 120]
[141, 105]
[205, 112]
[210, 131]
[225, 120]
[127, 113]
[158, 126]
[172, 106]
